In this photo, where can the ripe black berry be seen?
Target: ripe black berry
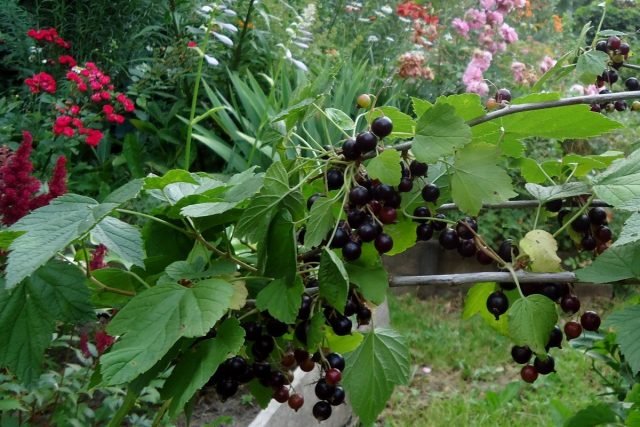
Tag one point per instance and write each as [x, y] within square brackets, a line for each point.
[467, 247]
[236, 366]
[356, 218]
[323, 389]
[553, 291]
[553, 205]
[383, 243]
[483, 257]
[421, 212]
[613, 43]
[301, 331]
[598, 216]
[281, 394]
[406, 185]
[610, 76]
[359, 196]
[335, 361]
[262, 347]
[384, 193]
[521, 354]
[544, 366]
[449, 239]
[367, 232]
[340, 238]
[439, 225]
[335, 179]
[602, 46]
[388, 215]
[590, 321]
[296, 401]
[624, 49]
[277, 379]
[333, 376]
[227, 388]
[572, 330]
[350, 149]
[430, 193]
[497, 304]
[252, 331]
[588, 243]
[570, 304]
[364, 316]
[366, 141]
[463, 228]
[311, 200]
[261, 369]
[424, 232]
[418, 168]
[322, 410]
[604, 234]
[351, 251]
[503, 95]
[382, 126]
[581, 223]
[632, 83]
[276, 328]
[342, 326]
[529, 373]
[507, 250]
[337, 398]
[555, 339]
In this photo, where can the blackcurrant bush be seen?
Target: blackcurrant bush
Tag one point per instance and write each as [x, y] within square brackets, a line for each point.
[335, 179]
[321, 410]
[342, 326]
[598, 216]
[529, 374]
[337, 398]
[570, 304]
[418, 168]
[449, 239]
[324, 390]
[424, 232]
[430, 193]
[553, 205]
[350, 150]
[544, 366]
[382, 126]
[351, 251]
[521, 354]
[581, 223]
[497, 304]
[467, 247]
[383, 243]
[296, 401]
[335, 361]
[590, 321]
[572, 330]
[359, 196]
[439, 225]
[333, 376]
[555, 339]
[366, 141]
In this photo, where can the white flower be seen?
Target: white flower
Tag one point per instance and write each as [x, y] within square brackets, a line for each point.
[229, 12]
[224, 39]
[206, 9]
[227, 26]
[386, 9]
[389, 39]
[301, 45]
[373, 39]
[211, 60]
[299, 64]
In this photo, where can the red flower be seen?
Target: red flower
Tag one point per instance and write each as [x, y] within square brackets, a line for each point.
[48, 35]
[94, 136]
[410, 9]
[41, 81]
[67, 60]
[103, 341]
[192, 44]
[97, 258]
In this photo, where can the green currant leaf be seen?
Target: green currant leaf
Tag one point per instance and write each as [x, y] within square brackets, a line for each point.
[403, 233]
[440, 131]
[542, 248]
[321, 222]
[123, 239]
[334, 280]
[316, 331]
[280, 254]
[7, 237]
[616, 263]
[385, 353]
[420, 106]
[385, 167]
[280, 300]
[344, 343]
[619, 185]
[592, 416]
[155, 319]
[544, 194]
[467, 105]
[476, 303]
[531, 320]
[476, 179]
[626, 323]
[590, 65]
[198, 364]
[403, 125]
[372, 281]
[263, 394]
[340, 118]
[630, 231]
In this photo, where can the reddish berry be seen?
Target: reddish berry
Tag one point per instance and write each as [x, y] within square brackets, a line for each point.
[529, 373]
[333, 376]
[572, 330]
[296, 401]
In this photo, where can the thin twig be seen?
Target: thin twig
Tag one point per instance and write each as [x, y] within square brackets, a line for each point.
[497, 276]
[513, 204]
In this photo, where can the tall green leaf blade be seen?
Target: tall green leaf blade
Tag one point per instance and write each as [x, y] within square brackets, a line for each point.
[334, 280]
[199, 363]
[121, 238]
[155, 319]
[385, 353]
[476, 179]
[386, 168]
[440, 131]
[531, 320]
[280, 300]
[626, 323]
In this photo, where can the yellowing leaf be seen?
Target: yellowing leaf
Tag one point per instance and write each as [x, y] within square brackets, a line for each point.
[541, 248]
[239, 297]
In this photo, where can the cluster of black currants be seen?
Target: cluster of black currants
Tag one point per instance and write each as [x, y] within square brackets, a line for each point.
[560, 293]
[328, 388]
[618, 52]
[592, 225]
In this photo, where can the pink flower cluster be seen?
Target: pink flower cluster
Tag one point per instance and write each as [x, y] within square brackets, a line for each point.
[492, 35]
[102, 342]
[97, 258]
[18, 187]
[41, 82]
[412, 65]
[48, 35]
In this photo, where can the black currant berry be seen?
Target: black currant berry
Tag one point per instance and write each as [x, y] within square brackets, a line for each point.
[561, 216]
[570, 304]
[421, 212]
[333, 376]
[555, 338]
[483, 257]
[261, 369]
[277, 379]
[553, 205]
[572, 330]
[236, 366]
[341, 326]
[610, 76]
[507, 250]
[464, 227]
[305, 307]
[603, 234]
[590, 321]
[311, 200]
[276, 328]
[301, 331]
[296, 401]
[351, 251]
[439, 225]
[337, 398]
[336, 361]
[367, 232]
[227, 388]
[529, 374]
[252, 330]
[581, 223]
[382, 126]
[602, 46]
[430, 193]
[356, 218]
[521, 354]
[418, 168]
[588, 243]
[281, 395]
[620, 105]
[449, 239]
[544, 366]
[324, 390]
[624, 49]
[350, 150]
[388, 215]
[383, 243]
[262, 347]
[359, 196]
[613, 43]
[406, 185]
[424, 232]
[322, 410]
[598, 216]
[335, 179]
[366, 141]
[503, 95]
[364, 316]
[497, 304]
[553, 291]
[467, 247]
[632, 83]
[340, 238]
[384, 192]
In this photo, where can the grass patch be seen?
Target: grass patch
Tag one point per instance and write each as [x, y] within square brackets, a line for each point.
[463, 373]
